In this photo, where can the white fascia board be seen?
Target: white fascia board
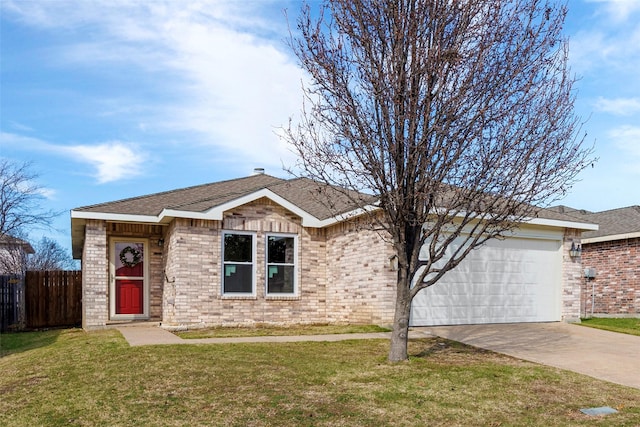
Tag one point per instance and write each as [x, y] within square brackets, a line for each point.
[611, 237]
[217, 212]
[308, 220]
[115, 217]
[342, 217]
[561, 223]
[526, 231]
[545, 222]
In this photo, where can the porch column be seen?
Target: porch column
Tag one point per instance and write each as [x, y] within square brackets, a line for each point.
[571, 278]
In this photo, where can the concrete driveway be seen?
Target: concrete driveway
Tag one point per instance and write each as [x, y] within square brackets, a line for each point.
[600, 354]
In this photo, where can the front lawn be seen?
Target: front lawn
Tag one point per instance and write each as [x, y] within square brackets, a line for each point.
[623, 325]
[75, 378]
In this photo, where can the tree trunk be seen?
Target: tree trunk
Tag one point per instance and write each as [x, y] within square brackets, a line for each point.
[400, 334]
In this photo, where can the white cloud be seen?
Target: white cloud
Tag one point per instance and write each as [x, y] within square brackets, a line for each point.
[627, 139]
[113, 160]
[110, 161]
[618, 106]
[608, 39]
[13, 140]
[20, 127]
[619, 10]
[47, 193]
[224, 65]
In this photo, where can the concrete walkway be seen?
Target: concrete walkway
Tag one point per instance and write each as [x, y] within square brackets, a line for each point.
[600, 354]
[137, 335]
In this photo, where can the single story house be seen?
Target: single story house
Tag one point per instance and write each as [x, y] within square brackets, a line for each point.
[13, 255]
[611, 258]
[262, 249]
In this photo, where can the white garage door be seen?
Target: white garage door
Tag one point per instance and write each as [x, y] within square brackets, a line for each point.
[503, 281]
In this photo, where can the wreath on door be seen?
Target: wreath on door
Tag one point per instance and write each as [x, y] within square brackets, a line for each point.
[136, 256]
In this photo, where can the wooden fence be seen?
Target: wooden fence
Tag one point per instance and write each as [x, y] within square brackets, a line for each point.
[53, 298]
[40, 299]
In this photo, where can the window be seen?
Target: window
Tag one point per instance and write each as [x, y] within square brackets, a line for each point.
[281, 266]
[238, 252]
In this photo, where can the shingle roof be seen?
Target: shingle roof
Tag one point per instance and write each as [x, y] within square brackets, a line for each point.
[318, 204]
[6, 240]
[614, 222]
[194, 199]
[321, 201]
[550, 213]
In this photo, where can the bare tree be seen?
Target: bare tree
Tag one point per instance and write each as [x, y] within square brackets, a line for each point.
[20, 210]
[457, 115]
[49, 255]
[20, 200]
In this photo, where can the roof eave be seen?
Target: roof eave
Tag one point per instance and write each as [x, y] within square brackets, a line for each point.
[562, 223]
[611, 237]
[79, 217]
[79, 220]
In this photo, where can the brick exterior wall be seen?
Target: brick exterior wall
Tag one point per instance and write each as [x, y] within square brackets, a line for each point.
[571, 278]
[362, 286]
[193, 292]
[95, 276]
[615, 291]
[343, 272]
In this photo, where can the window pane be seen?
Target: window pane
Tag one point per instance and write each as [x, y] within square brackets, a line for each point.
[129, 259]
[280, 279]
[238, 278]
[238, 247]
[280, 250]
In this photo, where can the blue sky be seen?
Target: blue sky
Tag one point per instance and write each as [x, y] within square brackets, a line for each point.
[114, 98]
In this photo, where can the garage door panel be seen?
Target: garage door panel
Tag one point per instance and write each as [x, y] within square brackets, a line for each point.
[513, 280]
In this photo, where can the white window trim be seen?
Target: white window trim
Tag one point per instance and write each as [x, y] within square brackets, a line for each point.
[254, 254]
[146, 294]
[295, 265]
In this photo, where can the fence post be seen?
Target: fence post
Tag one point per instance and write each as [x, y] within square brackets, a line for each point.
[12, 303]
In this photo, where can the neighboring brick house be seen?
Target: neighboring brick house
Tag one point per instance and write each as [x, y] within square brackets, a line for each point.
[613, 254]
[261, 249]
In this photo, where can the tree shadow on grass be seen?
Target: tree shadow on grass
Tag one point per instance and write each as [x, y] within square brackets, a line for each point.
[439, 346]
[18, 342]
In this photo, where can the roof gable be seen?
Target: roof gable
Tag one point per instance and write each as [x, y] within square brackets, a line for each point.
[316, 203]
[200, 198]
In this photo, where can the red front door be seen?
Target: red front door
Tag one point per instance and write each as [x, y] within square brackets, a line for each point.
[129, 277]
[129, 296]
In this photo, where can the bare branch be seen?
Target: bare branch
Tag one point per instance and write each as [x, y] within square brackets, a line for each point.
[20, 200]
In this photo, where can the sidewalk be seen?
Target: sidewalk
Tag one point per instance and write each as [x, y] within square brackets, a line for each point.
[153, 335]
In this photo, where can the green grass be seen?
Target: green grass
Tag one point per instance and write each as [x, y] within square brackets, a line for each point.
[269, 330]
[75, 378]
[624, 325]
